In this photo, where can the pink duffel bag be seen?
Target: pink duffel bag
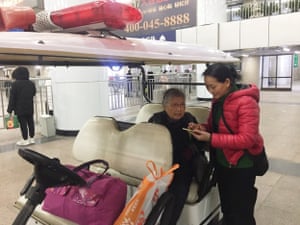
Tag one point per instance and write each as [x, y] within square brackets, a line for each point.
[99, 202]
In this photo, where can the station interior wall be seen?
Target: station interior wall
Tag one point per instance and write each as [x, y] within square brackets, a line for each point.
[264, 32]
[251, 70]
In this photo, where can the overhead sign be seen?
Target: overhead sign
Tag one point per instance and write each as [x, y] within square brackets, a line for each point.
[162, 16]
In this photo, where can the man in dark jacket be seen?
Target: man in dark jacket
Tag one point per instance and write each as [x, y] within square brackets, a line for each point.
[21, 102]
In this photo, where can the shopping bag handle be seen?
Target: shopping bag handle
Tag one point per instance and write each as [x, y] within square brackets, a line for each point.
[158, 174]
[87, 165]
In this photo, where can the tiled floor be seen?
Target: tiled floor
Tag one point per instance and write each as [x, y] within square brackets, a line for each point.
[279, 190]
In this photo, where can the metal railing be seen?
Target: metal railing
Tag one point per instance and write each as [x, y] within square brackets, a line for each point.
[261, 8]
[156, 86]
[124, 92]
[43, 103]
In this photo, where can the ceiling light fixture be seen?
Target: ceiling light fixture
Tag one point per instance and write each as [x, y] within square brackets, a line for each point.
[286, 49]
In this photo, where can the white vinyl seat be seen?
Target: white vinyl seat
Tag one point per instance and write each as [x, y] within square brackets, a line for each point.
[147, 111]
[42, 217]
[144, 114]
[126, 151]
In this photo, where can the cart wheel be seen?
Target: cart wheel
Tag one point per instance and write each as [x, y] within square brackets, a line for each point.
[162, 211]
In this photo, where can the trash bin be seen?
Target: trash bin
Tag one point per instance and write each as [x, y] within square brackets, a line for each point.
[47, 125]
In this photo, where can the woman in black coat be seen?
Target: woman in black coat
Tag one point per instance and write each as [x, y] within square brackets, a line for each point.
[174, 118]
[21, 102]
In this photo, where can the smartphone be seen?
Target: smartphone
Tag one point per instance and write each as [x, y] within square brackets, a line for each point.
[188, 130]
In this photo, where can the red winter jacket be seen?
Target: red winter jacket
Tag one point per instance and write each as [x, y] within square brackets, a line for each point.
[241, 112]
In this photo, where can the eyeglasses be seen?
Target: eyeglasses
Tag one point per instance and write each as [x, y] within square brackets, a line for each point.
[175, 105]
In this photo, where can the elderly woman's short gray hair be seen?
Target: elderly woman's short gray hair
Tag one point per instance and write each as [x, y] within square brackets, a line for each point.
[170, 93]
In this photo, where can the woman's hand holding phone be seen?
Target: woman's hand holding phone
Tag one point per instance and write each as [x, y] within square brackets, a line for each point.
[201, 135]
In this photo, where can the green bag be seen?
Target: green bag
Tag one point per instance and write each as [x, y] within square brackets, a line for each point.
[11, 122]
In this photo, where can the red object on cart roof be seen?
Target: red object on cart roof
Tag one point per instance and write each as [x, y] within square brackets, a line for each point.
[96, 15]
[16, 18]
[112, 14]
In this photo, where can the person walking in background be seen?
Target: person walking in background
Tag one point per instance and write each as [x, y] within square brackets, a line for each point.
[7, 85]
[174, 118]
[129, 84]
[150, 84]
[21, 103]
[232, 129]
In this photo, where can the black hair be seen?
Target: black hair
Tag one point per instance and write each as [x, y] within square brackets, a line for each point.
[222, 72]
[20, 73]
[170, 93]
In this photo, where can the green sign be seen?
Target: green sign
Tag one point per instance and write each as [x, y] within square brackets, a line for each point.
[296, 60]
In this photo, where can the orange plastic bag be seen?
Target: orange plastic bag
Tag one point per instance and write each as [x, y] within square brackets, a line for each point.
[151, 188]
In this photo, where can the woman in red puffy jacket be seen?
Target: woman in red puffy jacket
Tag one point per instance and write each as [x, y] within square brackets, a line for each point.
[233, 132]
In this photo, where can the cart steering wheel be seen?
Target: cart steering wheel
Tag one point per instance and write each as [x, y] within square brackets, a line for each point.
[49, 172]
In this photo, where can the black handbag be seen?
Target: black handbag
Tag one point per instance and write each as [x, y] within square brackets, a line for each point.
[260, 161]
[199, 164]
[202, 172]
